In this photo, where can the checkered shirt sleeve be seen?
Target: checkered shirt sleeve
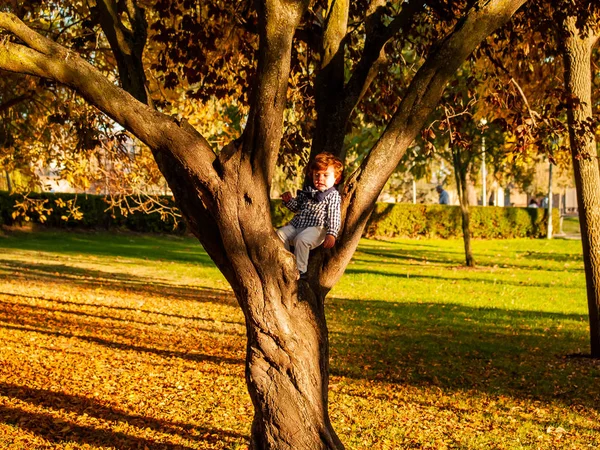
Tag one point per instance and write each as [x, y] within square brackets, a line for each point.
[310, 213]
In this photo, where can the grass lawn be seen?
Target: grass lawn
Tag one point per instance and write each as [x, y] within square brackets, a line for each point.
[570, 225]
[136, 342]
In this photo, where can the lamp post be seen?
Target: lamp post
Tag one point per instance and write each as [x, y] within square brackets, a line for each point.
[550, 231]
[483, 123]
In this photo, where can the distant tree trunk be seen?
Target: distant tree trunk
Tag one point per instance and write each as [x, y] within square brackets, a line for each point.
[8, 182]
[460, 175]
[578, 80]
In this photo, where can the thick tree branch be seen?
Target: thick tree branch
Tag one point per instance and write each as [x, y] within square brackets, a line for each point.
[422, 96]
[377, 36]
[278, 22]
[44, 58]
[335, 30]
[329, 83]
[127, 44]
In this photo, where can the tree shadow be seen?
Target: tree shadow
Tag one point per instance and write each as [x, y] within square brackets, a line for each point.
[209, 292]
[448, 257]
[92, 278]
[61, 431]
[114, 244]
[115, 345]
[95, 328]
[418, 276]
[519, 353]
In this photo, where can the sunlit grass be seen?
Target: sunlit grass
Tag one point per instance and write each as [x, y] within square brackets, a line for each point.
[570, 225]
[130, 341]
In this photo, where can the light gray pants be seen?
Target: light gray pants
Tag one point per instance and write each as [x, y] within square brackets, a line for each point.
[303, 240]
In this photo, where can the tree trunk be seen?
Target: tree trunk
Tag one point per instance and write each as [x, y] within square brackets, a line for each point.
[460, 175]
[287, 354]
[287, 374]
[8, 182]
[578, 80]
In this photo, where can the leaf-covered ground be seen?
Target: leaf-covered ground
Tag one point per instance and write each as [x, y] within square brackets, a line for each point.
[135, 342]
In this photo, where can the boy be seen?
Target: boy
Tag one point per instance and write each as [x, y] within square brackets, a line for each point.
[317, 207]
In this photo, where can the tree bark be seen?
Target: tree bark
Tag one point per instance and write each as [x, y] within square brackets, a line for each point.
[577, 53]
[461, 170]
[126, 43]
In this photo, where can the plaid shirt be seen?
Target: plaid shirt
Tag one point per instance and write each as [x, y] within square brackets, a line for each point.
[313, 213]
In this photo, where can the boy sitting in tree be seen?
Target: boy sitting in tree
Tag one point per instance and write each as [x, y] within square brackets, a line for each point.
[318, 214]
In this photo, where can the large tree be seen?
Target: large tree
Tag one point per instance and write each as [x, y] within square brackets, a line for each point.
[224, 196]
[571, 29]
[580, 33]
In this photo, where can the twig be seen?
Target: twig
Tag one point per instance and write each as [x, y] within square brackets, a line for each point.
[532, 113]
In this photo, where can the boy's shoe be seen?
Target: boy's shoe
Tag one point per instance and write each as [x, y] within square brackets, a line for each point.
[303, 276]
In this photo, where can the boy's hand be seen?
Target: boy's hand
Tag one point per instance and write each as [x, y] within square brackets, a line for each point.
[329, 241]
[286, 197]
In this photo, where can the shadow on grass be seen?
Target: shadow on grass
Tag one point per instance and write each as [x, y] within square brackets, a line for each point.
[207, 292]
[115, 345]
[439, 255]
[523, 354]
[61, 431]
[123, 245]
[90, 278]
[449, 279]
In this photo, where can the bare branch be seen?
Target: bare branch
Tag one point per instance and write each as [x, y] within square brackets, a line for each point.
[532, 114]
[127, 44]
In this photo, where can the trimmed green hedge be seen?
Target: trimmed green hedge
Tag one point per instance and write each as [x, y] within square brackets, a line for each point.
[387, 220]
[413, 221]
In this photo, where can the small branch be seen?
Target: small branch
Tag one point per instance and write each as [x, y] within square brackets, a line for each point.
[14, 101]
[532, 113]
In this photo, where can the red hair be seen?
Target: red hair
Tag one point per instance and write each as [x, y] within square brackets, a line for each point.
[322, 162]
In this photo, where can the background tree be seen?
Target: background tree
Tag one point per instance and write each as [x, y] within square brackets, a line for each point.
[580, 34]
[544, 36]
[225, 197]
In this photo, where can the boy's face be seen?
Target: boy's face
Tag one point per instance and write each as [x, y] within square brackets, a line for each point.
[324, 179]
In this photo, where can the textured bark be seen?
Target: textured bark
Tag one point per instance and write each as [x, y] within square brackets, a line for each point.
[287, 348]
[126, 43]
[578, 80]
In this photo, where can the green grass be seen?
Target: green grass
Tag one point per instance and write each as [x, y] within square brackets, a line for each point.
[570, 225]
[425, 353]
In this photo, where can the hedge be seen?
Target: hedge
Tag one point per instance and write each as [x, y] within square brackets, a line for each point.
[442, 221]
[95, 214]
[387, 220]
